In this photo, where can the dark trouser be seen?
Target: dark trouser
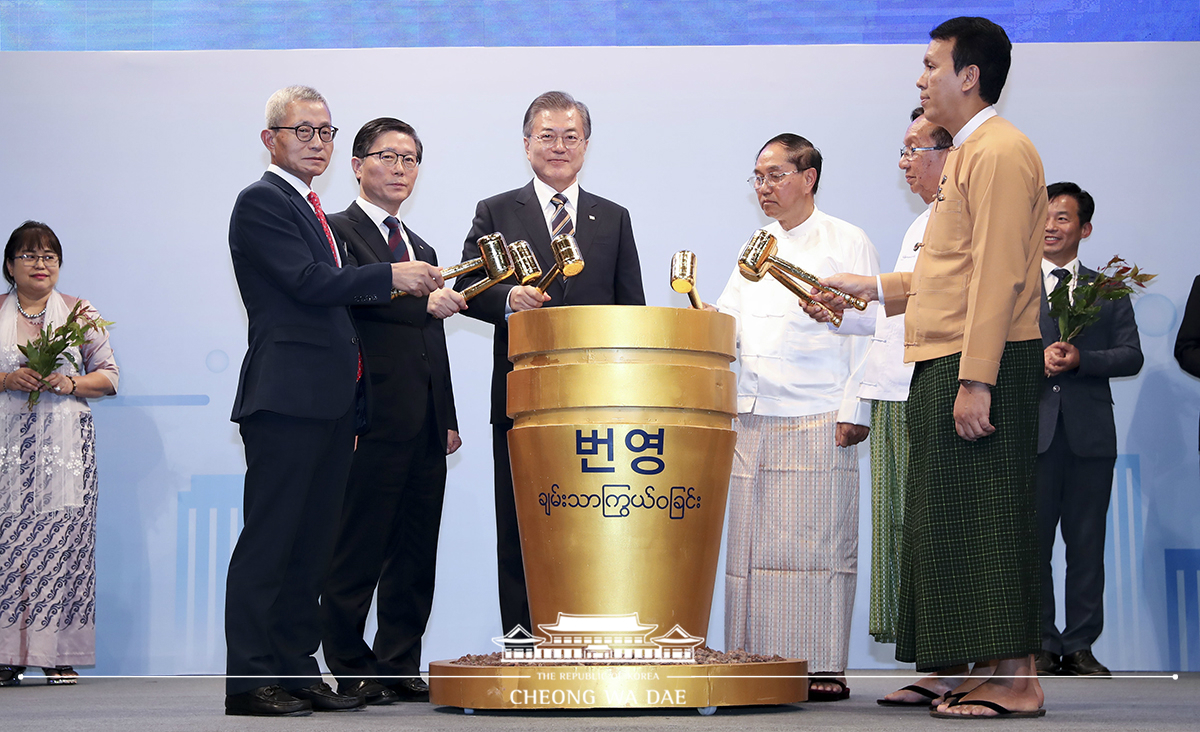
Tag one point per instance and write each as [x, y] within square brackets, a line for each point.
[295, 477]
[1073, 492]
[388, 538]
[514, 602]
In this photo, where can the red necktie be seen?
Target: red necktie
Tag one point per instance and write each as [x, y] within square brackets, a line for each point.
[396, 239]
[337, 261]
[316, 204]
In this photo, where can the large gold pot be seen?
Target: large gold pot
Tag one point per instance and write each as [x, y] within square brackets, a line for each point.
[621, 451]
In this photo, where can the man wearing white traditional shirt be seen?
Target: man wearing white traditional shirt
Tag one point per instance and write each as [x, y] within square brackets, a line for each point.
[793, 536]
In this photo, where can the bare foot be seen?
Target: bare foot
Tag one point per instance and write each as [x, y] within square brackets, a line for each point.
[827, 687]
[1014, 686]
[980, 673]
[939, 682]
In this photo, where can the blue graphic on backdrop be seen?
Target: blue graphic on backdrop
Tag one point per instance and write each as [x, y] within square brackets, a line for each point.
[210, 519]
[1183, 609]
[194, 25]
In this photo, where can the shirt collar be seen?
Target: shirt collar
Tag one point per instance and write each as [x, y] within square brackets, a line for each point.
[373, 212]
[980, 117]
[545, 193]
[295, 182]
[1048, 267]
[803, 229]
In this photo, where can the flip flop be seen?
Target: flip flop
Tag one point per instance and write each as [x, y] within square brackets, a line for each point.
[60, 675]
[929, 697]
[1001, 712]
[827, 696]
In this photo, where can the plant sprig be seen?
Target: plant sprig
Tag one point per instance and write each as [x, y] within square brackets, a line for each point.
[1115, 280]
[45, 353]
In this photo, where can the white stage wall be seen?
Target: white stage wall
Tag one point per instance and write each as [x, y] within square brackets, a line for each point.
[134, 158]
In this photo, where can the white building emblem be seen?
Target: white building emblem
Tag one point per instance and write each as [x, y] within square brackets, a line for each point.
[591, 638]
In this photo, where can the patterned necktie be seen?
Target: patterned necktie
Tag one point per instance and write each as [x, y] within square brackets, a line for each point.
[1061, 274]
[316, 204]
[396, 239]
[561, 223]
[337, 260]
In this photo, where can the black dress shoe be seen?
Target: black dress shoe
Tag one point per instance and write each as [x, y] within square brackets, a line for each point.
[1047, 663]
[325, 699]
[267, 701]
[370, 691]
[411, 690]
[1083, 663]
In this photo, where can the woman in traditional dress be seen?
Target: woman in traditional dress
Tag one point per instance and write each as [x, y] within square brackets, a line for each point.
[47, 472]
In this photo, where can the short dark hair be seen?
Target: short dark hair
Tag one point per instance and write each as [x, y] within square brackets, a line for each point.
[979, 42]
[941, 137]
[30, 236]
[1087, 204]
[556, 101]
[370, 132]
[800, 152]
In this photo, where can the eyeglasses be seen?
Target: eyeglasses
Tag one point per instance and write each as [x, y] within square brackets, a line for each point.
[389, 159]
[775, 177]
[570, 140]
[304, 133]
[910, 152]
[29, 260]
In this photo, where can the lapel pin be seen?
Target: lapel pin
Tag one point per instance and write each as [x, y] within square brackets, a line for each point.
[593, 218]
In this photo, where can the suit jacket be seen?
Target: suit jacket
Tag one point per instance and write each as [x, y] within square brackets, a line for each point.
[1107, 348]
[404, 346]
[302, 350]
[1187, 341]
[975, 285]
[611, 274]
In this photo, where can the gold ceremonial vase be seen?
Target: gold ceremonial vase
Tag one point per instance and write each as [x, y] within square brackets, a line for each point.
[621, 451]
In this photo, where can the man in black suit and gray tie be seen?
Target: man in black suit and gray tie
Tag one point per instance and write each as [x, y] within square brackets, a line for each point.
[1077, 439]
[393, 506]
[298, 404]
[556, 132]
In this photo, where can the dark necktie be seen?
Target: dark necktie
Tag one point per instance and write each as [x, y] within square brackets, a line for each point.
[561, 223]
[1061, 274]
[396, 239]
[316, 204]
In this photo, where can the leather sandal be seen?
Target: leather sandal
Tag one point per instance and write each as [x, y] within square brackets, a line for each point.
[60, 675]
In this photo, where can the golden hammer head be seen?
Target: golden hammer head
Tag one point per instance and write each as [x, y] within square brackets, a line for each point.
[752, 262]
[525, 263]
[683, 272]
[567, 255]
[494, 253]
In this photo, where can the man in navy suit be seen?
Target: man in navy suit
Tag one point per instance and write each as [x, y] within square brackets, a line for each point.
[393, 506]
[296, 410]
[1077, 439]
[556, 131]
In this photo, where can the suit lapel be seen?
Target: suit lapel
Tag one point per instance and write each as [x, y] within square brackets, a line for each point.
[307, 213]
[423, 251]
[585, 231]
[369, 233]
[529, 212]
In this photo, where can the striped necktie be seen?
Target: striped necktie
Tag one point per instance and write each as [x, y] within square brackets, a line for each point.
[561, 223]
[396, 239]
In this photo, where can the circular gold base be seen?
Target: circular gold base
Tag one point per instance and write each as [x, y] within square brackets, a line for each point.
[617, 686]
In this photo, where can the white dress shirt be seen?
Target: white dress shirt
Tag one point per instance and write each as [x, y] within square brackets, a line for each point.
[377, 215]
[545, 193]
[790, 365]
[887, 377]
[1051, 280]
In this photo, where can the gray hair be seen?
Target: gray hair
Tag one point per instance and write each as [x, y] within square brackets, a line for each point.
[278, 103]
[557, 101]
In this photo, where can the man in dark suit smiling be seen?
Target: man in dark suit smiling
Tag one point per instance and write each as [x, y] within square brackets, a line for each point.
[1077, 439]
[296, 410]
[556, 131]
[393, 506]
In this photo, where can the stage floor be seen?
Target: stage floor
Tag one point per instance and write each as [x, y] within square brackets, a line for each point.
[1131, 702]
